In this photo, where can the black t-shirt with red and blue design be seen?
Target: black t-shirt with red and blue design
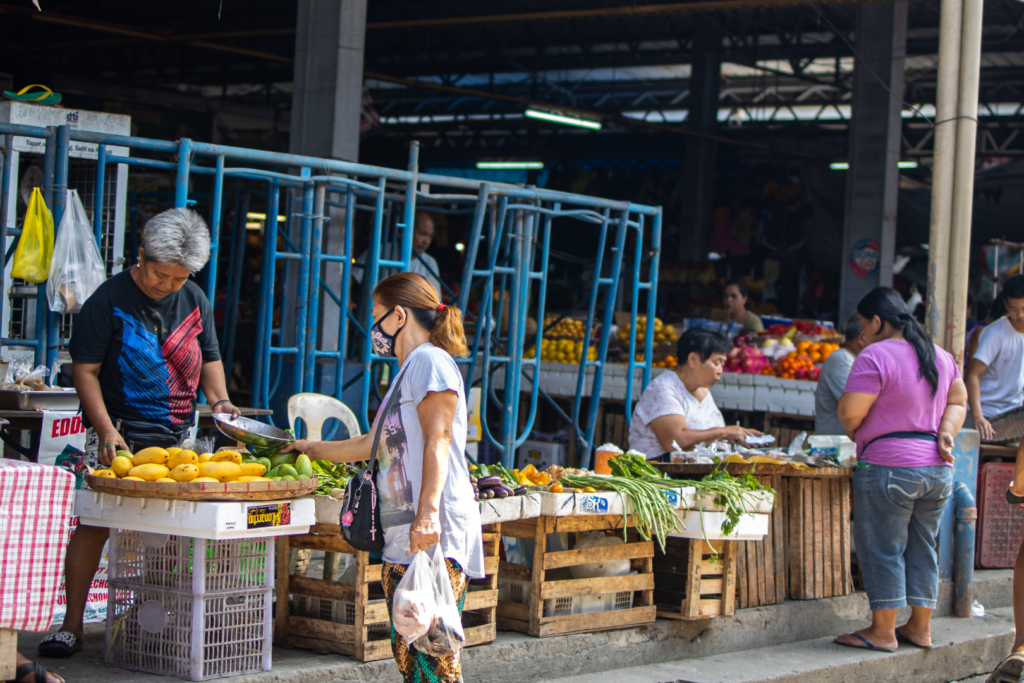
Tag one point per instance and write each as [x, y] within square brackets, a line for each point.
[151, 351]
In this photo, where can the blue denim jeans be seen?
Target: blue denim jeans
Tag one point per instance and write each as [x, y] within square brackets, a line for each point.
[896, 518]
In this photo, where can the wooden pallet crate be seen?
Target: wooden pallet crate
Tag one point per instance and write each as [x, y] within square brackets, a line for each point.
[817, 512]
[549, 578]
[367, 639]
[695, 579]
[761, 566]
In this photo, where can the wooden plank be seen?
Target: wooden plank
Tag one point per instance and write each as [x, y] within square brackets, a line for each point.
[490, 536]
[331, 530]
[729, 575]
[762, 598]
[779, 536]
[741, 575]
[490, 565]
[753, 598]
[371, 573]
[808, 534]
[826, 540]
[604, 584]
[608, 553]
[319, 645]
[334, 544]
[711, 608]
[8, 653]
[282, 608]
[506, 624]
[690, 606]
[513, 610]
[836, 538]
[584, 523]
[524, 530]
[480, 635]
[620, 426]
[598, 621]
[519, 572]
[540, 539]
[376, 612]
[321, 588]
[819, 545]
[480, 600]
[362, 603]
[376, 650]
[711, 586]
[796, 539]
[844, 513]
[323, 630]
[767, 548]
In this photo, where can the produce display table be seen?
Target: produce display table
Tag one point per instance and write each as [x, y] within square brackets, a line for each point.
[543, 600]
[33, 419]
[806, 553]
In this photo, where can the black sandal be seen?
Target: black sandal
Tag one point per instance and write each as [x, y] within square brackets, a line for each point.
[27, 668]
[61, 645]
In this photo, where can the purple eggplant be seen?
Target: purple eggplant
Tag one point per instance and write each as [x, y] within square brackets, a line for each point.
[501, 491]
[520, 491]
[488, 482]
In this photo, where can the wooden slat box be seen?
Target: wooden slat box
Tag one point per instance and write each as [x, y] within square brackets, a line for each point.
[818, 537]
[690, 582]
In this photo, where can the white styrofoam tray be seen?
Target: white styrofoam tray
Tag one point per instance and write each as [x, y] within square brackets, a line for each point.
[568, 504]
[212, 520]
[751, 526]
[760, 502]
[328, 509]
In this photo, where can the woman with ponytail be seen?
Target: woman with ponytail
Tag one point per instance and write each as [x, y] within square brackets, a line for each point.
[423, 484]
[904, 404]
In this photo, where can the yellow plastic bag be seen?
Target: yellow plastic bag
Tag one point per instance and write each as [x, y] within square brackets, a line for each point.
[35, 247]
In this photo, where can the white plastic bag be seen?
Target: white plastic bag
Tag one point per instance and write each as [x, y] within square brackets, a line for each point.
[76, 269]
[445, 635]
[413, 607]
[595, 570]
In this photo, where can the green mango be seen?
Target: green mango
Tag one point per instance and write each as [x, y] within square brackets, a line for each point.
[274, 472]
[304, 467]
[283, 459]
[288, 478]
[288, 471]
[266, 463]
[125, 454]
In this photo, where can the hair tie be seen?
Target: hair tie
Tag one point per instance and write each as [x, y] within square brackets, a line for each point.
[441, 307]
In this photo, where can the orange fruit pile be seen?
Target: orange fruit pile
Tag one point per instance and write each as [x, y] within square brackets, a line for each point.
[818, 352]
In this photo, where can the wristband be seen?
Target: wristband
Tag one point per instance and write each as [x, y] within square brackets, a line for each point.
[226, 400]
[108, 444]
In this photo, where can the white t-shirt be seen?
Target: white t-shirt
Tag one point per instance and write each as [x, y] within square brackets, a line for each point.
[1001, 348]
[400, 456]
[666, 395]
[390, 252]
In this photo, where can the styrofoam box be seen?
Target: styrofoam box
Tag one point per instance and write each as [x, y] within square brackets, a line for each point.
[567, 504]
[751, 526]
[514, 590]
[211, 520]
[683, 498]
[328, 509]
[497, 510]
[760, 502]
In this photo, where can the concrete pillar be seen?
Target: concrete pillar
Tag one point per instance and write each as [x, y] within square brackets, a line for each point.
[872, 184]
[699, 161]
[328, 91]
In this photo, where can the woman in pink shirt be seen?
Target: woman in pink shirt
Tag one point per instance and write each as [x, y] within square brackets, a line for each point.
[903, 404]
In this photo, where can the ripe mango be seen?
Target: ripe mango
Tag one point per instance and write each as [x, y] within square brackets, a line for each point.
[228, 456]
[204, 480]
[206, 457]
[172, 450]
[185, 472]
[221, 471]
[106, 474]
[183, 458]
[249, 478]
[153, 455]
[121, 465]
[151, 471]
[130, 478]
[166, 480]
[253, 469]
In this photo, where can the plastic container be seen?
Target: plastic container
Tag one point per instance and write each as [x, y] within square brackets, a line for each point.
[210, 520]
[514, 590]
[999, 524]
[751, 526]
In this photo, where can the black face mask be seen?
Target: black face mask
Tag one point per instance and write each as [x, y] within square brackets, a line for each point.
[382, 342]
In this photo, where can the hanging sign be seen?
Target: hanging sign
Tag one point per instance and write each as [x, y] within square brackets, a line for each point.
[865, 257]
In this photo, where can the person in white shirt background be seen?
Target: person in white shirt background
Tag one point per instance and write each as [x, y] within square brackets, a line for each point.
[995, 375]
[832, 380]
[422, 262]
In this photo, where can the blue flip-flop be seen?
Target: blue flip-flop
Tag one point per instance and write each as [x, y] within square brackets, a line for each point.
[868, 645]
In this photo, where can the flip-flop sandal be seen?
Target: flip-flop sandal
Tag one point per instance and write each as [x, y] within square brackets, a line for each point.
[1009, 670]
[903, 639]
[38, 671]
[868, 645]
[61, 645]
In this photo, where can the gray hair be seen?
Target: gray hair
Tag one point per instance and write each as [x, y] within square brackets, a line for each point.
[177, 237]
[853, 327]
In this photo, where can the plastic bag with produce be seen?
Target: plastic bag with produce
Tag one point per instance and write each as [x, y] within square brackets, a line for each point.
[413, 607]
[445, 635]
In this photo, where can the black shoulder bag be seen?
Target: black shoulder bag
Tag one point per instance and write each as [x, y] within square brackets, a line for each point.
[362, 505]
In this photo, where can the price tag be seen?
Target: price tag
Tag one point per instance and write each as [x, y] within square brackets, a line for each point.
[263, 516]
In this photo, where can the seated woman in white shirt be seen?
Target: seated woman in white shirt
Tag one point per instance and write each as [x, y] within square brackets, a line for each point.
[677, 405]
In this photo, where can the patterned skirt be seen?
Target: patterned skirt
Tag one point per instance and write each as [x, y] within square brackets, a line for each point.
[417, 667]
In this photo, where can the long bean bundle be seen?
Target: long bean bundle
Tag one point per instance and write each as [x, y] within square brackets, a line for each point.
[729, 492]
[653, 517]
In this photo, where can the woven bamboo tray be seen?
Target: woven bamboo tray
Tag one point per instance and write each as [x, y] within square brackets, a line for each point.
[206, 491]
[1009, 426]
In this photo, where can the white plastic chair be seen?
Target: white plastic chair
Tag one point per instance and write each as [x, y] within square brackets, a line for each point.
[315, 410]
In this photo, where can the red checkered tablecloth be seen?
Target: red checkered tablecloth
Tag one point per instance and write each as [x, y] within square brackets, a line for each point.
[36, 503]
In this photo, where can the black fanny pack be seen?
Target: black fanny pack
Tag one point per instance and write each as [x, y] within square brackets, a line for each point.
[140, 433]
[920, 436]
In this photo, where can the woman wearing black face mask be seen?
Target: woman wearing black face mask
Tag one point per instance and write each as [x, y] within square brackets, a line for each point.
[423, 479]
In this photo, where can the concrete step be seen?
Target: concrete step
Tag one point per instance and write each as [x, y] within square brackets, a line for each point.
[962, 648]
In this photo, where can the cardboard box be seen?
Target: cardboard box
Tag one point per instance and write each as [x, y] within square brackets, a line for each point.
[541, 454]
[473, 431]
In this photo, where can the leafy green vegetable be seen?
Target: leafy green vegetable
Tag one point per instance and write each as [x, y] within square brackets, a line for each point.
[652, 515]
[729, 492]
[332, 475]
[496, 470]
[636, 467]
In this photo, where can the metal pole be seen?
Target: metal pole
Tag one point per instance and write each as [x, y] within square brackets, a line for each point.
[303, 298]
[97, 205]
[185, 147]
[215, 220]
[951, 13]
[963, 178]
[313, 294]
[60, 198]
[409, 216]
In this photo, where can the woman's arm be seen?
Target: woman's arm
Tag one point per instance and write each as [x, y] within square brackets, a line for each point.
[350, 450]
[669, 428]
[853, 408]
[952, 418]
[437, 413]
[213, 384]
[87, 385]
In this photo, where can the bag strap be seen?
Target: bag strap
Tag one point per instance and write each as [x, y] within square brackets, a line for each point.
[922, 436]
[372, 468]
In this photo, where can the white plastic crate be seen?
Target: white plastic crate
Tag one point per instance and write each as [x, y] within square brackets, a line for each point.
[167, 562]
[194, 637]
[214, 520]
[514, 590]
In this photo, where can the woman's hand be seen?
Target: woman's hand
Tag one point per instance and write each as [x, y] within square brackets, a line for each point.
[424, 532]
[737, 434]
[228, 408]
[303, 446]
[945, 446]
[110, 441]
[984, 428]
